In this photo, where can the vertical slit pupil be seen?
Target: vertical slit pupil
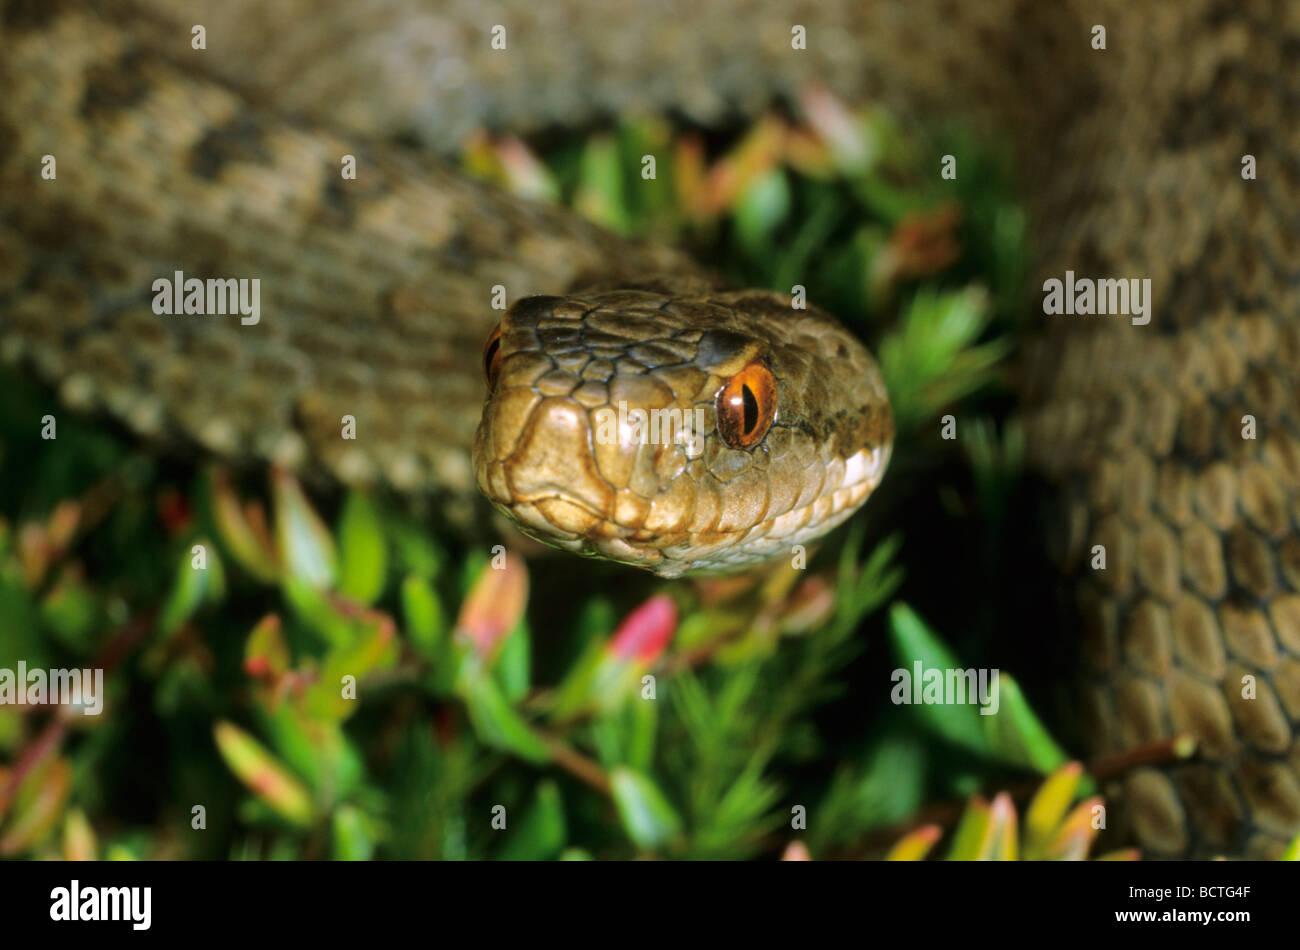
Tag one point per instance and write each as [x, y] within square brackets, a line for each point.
[751, 409]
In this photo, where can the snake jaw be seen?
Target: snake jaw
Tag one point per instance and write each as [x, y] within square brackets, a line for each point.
[561, 451]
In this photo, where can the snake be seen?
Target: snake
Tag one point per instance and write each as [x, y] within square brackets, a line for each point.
[475, 338]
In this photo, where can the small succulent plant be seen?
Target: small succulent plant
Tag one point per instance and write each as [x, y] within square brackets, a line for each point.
[334, 679]
[1056, 827]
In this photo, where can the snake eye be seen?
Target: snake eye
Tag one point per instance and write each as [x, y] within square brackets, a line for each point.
[492, 357]
[746, 406]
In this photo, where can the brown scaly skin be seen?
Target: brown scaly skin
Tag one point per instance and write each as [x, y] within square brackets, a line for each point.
[376, 293]
[1143, 425]
[374, 289]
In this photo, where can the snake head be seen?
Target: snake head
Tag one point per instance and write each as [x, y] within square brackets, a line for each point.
[678, 433]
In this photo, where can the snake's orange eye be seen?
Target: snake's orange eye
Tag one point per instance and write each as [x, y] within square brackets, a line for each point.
[492, 357]
[746, 406]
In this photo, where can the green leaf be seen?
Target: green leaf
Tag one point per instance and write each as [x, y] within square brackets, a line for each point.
[71, 612]
[932, 359]
[1123, 854]
[264, 776]
[576, 694]
[363, 554]
[792, 257]
[886, 200]
[426, 621]
[512, 667]
[1292, 852]
[654, 199]
[649, 820]
[38, 807]
[316, 749]
[1075, 836]
[313, 607]
[242, 531]
[873, 584]
[600, 196]
[375, 649]
[20, 636]
[541, 833]
[761, 209]
[1015, 733]
[642, 719]
[1047, 808]
[1002, 845]
[306, 546]
[192, 587]
[417, 553]
[915, 845]
[495, 720]
[351, 835]
[886, 788]
[266, 652]
[915, 642]
[78, 837]
[974, 834]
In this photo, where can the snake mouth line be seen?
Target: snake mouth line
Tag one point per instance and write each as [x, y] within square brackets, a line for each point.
[545, 516]
[562, 497]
